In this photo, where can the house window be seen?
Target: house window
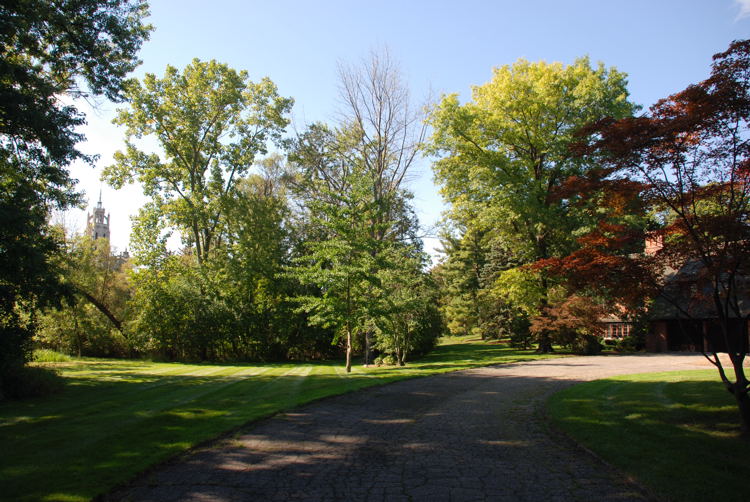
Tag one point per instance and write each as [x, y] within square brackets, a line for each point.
[617, 330]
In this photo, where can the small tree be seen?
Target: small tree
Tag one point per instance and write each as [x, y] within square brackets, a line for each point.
[350, 190]
[572, 323]
[338, 263]
[408, 318]
[460, 276]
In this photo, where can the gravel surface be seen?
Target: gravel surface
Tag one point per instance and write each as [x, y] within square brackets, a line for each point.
[471, 435]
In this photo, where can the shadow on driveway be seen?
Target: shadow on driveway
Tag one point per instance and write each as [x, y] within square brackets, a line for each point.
[478, 434]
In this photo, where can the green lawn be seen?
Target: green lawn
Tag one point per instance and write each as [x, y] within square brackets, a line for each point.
[116, 418]
[677, 432]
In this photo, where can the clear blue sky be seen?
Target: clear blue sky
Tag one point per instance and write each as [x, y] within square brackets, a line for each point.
[443, 47]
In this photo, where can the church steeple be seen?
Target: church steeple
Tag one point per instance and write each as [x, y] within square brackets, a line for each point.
[98, 223]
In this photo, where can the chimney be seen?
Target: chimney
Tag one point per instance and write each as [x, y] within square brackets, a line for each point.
[654, 243]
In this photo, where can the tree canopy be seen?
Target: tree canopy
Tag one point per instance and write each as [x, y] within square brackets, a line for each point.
[359, 214]
[685, 166]
[49, 50]
[211, 123]
[503, 155]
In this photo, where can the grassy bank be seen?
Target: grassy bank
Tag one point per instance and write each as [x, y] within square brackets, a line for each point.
[116, 418]
[676, 432]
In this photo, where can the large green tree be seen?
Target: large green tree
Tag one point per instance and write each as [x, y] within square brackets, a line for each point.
[49, 49]
[211, 122]
[261, 238]
[502, 155]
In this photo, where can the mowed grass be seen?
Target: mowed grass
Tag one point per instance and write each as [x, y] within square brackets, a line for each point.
[116, 418]
[677, 432]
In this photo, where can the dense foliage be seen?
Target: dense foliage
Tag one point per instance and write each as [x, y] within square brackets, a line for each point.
[363, 258]
[48, 50]
[684, 165]
[281, 260]
[89, 323]
[219, 298]
[501, 158]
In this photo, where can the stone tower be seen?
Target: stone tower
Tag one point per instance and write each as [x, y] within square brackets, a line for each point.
[97, 224]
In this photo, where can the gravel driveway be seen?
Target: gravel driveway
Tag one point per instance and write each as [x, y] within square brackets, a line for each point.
[470, 435]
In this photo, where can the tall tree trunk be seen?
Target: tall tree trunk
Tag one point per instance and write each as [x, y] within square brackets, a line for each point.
[78, 336]
[348, 349]
[348, 327]
[101, 307]
[743, 404]
[739, 388]
[545, 343]
[367, 348]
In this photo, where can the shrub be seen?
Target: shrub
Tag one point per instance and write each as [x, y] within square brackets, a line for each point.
[573, 323]
[390, 360]
[630, 343]
[586, 344]
[519, 335]
[81, 329]
[50, 356]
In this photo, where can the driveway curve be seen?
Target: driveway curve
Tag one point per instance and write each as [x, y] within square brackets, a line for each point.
[471, 435]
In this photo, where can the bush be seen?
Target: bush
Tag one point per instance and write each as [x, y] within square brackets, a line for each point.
[572, 323]
[50, 356]
[30, 381]
[80, 329]
[631, 343]
[387, 360]
[15, 342]
[586, 344]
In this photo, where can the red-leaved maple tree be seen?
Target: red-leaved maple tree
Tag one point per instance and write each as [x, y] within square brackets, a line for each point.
[685, 167]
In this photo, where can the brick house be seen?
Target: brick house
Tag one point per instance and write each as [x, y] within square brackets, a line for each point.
[684, 318]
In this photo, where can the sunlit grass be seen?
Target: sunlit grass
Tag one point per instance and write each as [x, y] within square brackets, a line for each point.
[116, 418]
[675, 432]
[49, 356]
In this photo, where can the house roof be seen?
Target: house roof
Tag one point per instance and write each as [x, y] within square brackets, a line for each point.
[691, 288]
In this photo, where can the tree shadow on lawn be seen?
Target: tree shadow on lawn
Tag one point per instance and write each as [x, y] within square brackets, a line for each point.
[688, 430]
[96, 435]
